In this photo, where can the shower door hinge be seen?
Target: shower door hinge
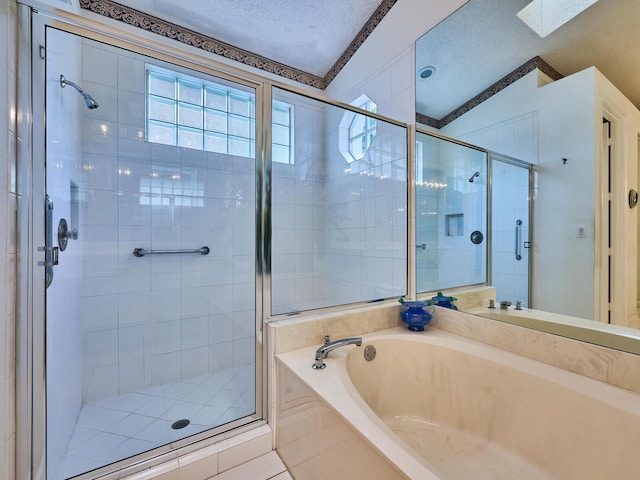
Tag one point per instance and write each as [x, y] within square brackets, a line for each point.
[50, 256]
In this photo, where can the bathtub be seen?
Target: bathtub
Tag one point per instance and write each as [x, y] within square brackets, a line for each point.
[433, 405]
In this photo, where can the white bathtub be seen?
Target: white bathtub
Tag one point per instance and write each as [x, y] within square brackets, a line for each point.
[435, 405]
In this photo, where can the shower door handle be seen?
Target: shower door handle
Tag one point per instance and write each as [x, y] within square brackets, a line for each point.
[50, 252]
[65, 234]
[518, 246]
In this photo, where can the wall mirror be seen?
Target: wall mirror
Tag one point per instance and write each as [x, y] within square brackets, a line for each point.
[558, 91]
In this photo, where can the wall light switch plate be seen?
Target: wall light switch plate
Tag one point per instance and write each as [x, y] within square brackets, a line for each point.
[581, 231]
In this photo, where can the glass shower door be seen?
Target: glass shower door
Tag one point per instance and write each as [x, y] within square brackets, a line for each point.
[150, 216]
[451, 214]
[510, 231]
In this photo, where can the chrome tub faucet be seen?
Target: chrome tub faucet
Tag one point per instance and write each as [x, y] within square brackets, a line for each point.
[328, 346]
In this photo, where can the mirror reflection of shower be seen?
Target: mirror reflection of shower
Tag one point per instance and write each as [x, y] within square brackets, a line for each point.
[472, 178]
[88, 99]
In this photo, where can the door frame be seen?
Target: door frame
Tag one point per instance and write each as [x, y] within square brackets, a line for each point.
[30, 330]
[498, 157]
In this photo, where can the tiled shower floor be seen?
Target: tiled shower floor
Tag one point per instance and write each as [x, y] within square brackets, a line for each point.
[114, 428]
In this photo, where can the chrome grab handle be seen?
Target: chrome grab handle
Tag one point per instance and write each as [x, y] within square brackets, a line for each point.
[141, 252]
[423, 246]
[50, 252]
[518, 233]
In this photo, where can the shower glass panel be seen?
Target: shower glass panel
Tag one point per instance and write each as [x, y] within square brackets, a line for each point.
[145, 350]
[510, 231]
[451, 214]
[339, 228]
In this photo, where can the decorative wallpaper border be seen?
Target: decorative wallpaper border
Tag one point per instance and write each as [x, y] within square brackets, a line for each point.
[130, 16]
[517, 74]
[359, 39]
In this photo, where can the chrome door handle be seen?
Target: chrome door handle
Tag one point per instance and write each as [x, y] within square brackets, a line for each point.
[50, 252]
[518, 233]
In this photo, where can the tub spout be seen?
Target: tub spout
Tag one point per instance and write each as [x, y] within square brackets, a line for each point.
[328, 346]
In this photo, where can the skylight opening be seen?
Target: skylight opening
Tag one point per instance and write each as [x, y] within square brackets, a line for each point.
[546, 16]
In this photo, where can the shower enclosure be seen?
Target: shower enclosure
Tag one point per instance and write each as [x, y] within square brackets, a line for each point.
[339, 216]
[150, 252]
[473, 210]
[451, 214]
[175, 209]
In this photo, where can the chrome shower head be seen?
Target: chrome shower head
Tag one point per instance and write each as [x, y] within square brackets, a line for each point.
[88, 99]
[477, 174]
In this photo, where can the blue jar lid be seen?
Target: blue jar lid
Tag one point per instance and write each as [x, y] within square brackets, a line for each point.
[415, 304]
[442, 298]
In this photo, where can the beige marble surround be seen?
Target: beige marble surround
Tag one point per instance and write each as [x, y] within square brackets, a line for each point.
[309, 329]
[600, 363]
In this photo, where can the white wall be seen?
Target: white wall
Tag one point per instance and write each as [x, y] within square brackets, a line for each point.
[383, 67]
[543, 126]
[564, 197]
[554, 121]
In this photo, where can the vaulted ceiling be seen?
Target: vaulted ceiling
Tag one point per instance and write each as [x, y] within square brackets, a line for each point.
[471, 50]
[484, 41]
[308, 41]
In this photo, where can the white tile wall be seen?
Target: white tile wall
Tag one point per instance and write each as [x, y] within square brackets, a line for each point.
[156, 319]
[391, 87]
[298, 219]
[364, 229]
[516, 137]
[65, 343]
[335, 236]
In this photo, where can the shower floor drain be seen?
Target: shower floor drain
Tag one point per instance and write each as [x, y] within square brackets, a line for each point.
[177, 425]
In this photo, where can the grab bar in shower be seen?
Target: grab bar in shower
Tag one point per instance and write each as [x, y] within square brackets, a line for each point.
[518, 233]
[141, 252]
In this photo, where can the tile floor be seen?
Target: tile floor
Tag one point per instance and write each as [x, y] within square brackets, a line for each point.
[265, 467]
[114, 428]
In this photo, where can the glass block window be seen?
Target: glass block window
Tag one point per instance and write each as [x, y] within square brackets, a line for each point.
[190, 112]
[282, 132]
[171, 187]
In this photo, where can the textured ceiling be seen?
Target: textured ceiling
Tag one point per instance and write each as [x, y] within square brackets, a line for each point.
[484, 40]
[307, 35]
